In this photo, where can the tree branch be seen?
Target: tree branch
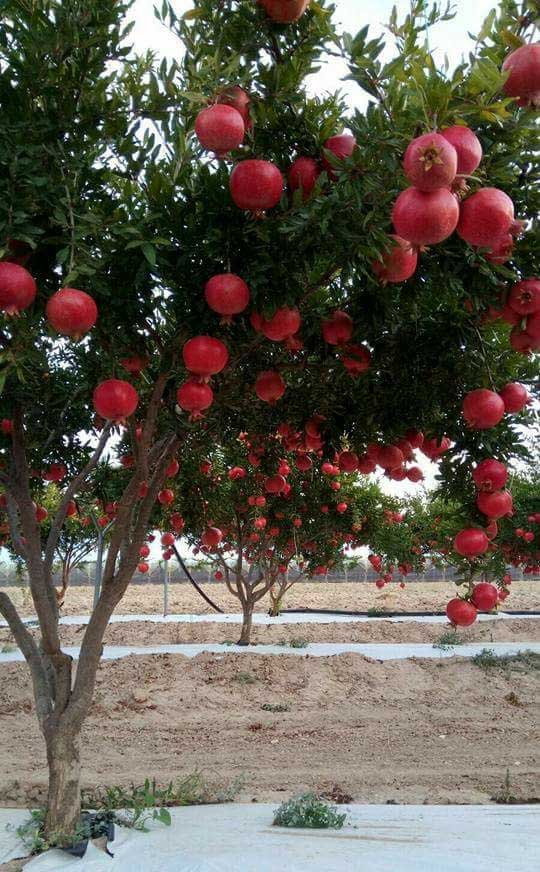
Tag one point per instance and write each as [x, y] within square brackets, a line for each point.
[32, 656]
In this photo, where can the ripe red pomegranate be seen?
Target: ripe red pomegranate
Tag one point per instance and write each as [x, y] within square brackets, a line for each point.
[275, 484]
[41, 514]
[205, 356]
[490, 475]
[341, 508]
[166, 496]
[177, 522]
[425, 218]
[461, 613]
[143, 567]
[415, 474]
[524, 297]
[283, 324]
[115, 400]
[227, 294]
[471, 542]
[501, 250]
[237, 473]
[380, 583]
[135, 365]
[144, 551]
[522, 341]
[284, 11]
[430, 162]
[17, 288]
[337, 329]
[195, 397]
[483, 409]
[390, 457]
[240, 100]
[467, 146]
[211, 537]
[415, 438]
[303, 175]
[71, 509]
[71, 312]
[484, 596]
[342, 146]
[523, 66]
[6, 426]
[303, 462]
[270, 386]
[167, 539]
[256, 185]
[495, 505]
[398, 264]
[348, 461]
[173, 468]
[56, 472]
[515, 397]
[485, 217]
[356, 359]
[220, 128]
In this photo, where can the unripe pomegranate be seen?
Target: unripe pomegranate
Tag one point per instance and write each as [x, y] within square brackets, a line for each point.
[17, 288]
[342, 146]
[523, 66]
[211, 537]
[484, 596]
[135, 365]
[461, 613]
[425, 218]
[483, 409]
[143, 568]
[284, 11]
[338, 329]
[348, 461]
[240, 100]
[490, 475]
[485, 217]
[515, 397]
[430, 162]
[398, 264]
[270, 386]
[256, 185]
[220, 129]
[356, 359]
[471, 542]
[524, 297]
[205, 356]
[284, 323]
[495, 505]
[227, 294]
[303, 175]
[115, 400]
[467, 146]
[194, 397]
[71, 312]
[166, 496]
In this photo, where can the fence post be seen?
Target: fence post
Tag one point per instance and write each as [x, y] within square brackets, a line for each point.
[164, 569]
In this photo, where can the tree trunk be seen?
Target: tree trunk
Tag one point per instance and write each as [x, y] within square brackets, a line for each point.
[276, 603]
[64, 798]
[245, 636]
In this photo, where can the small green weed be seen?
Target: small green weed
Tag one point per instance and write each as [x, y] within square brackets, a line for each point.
[447, 641]
[295, 642]
[375, 613]
[244, 678]
[308, 811]
[279, 707]
[523, 661]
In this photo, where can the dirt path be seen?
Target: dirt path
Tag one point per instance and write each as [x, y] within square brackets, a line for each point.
[421, 596]
[141, 633]
[410, 731]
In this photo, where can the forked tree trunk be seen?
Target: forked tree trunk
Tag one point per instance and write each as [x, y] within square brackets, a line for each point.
[64, 797]
[276, 600]
[245, 636]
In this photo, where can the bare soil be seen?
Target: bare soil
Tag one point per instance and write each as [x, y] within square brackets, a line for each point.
[405, 731]
[426, 597]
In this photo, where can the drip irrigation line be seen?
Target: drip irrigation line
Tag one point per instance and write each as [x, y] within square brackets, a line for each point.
[194, 583]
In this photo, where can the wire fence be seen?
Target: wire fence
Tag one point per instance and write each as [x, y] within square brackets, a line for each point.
[362, 573]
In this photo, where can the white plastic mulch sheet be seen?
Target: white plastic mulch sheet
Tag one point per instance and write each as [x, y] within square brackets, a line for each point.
[266, 620]
[240, 838]
[377, 651]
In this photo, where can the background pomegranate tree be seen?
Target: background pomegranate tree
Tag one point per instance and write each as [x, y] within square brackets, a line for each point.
[163, 285]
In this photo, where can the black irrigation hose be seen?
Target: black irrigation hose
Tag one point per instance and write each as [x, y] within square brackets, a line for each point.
[194, 583]
[383, 614]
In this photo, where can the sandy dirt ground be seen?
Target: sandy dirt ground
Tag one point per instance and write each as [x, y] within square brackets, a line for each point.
[141, 633]
[405, 731]
[418, 596]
